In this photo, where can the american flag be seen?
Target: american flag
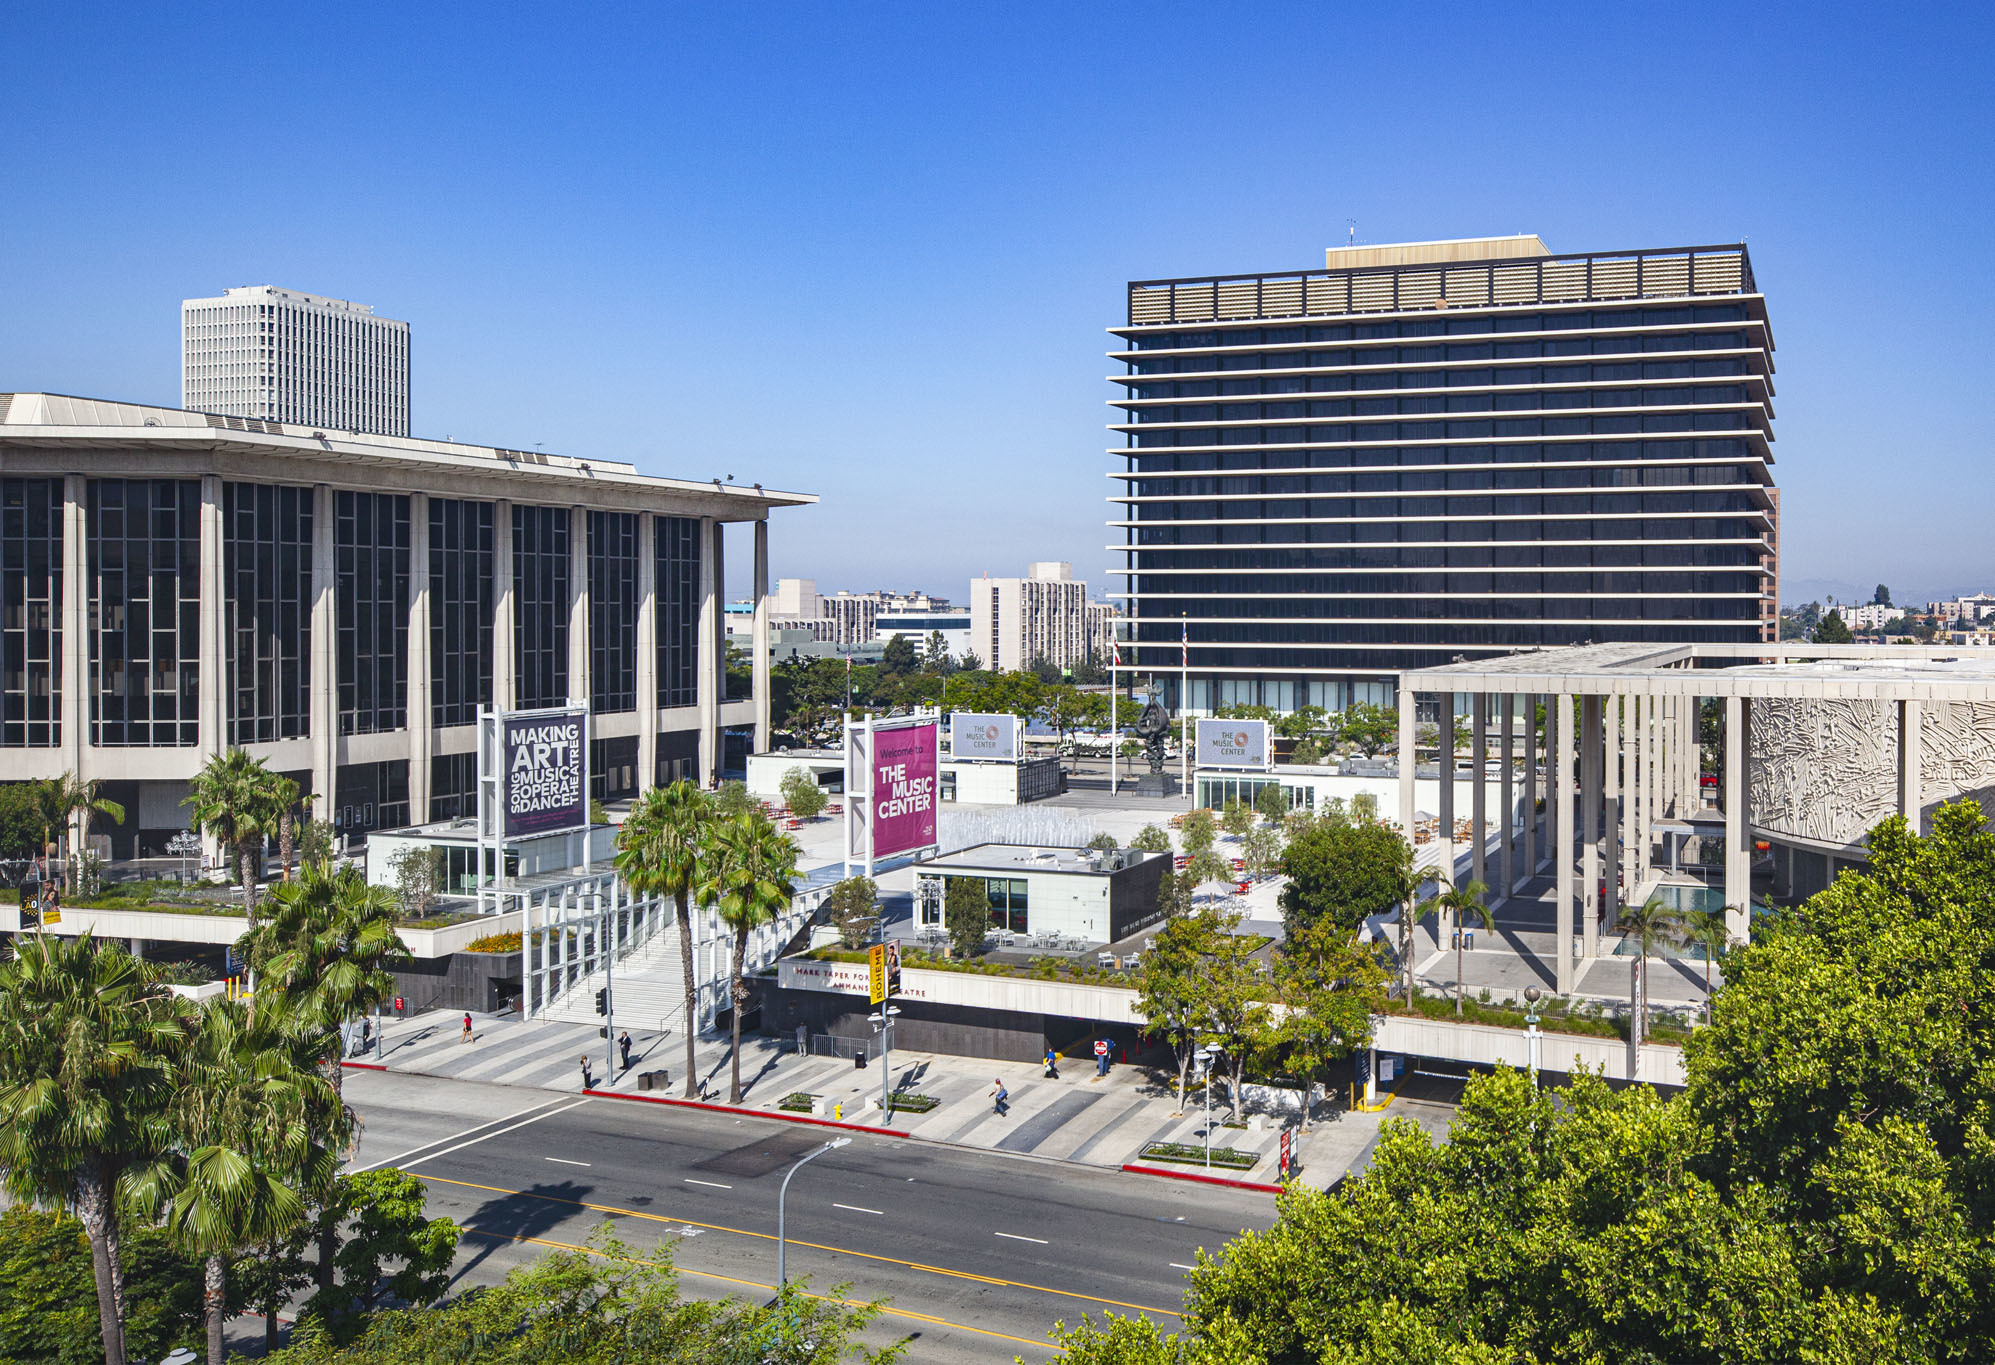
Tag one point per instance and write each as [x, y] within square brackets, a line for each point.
[1184, 635]
[1115, 653]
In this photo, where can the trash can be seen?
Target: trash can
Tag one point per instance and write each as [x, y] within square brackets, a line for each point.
[859, 1058]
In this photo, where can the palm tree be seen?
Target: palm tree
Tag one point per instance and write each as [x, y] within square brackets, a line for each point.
[1460, 903]
[1651, 925]
[1406, 882]
[285, 795]
[1711, 931]
[67, 796]
[250, 1148]
[748, 873]
[89, 1042]
[658, 854]
[234, 798]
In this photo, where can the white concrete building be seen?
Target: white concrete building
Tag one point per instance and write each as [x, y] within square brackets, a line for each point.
[282, 355]
[1044, 615]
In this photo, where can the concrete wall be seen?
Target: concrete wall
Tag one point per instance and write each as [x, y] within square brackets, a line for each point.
[462, 981]
[1488, 1045]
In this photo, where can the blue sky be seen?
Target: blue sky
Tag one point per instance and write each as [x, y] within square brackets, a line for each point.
[869, 251]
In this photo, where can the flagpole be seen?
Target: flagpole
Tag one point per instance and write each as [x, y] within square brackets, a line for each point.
[1184, 704]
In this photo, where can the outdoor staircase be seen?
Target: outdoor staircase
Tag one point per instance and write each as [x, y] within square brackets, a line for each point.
[646, 987]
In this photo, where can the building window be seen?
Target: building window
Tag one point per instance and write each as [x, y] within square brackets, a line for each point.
[540, 611]
[676, 547]
[453, 787]
[144, 538]
[30, 613]
[461, 560]
[613, 768]
[371, 555]
[267, 610]
[371, 796]
[613, 612]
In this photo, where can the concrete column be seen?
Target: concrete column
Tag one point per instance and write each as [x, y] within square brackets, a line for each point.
[647, 650]
[1478, 798]
[1610, 907]
[505, 603]
[761, 636]
[1911, 778]
[1630, 727]
[1506, 858]
[1590, 765]
[1693, 759]
[73, 664]
[1408, 710]
[706, 696]
[1444, 738]
[579, 688]
[1531, 786]
[1738, 854]
[325, 655]
[211, 672]
[1562, 849]
[1645, 774]
[422, 717]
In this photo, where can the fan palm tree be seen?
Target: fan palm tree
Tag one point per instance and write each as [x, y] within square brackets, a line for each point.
[65, 797]
[1651, 925]
[658, 854]
[1462, 903]
[289, 801]
[1406, 883]
[89, 1046]
[234, 798]
[748, 872]
[1711, 931]
[250, 1147]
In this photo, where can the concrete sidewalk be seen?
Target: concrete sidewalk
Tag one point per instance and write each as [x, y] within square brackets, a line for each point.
[1099, 1121]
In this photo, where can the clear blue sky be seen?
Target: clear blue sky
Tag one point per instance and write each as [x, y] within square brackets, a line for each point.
[869, 251]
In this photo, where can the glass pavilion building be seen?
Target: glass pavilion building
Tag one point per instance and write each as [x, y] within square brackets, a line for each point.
[1437, 451]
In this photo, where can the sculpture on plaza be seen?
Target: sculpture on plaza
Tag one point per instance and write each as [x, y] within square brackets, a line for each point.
[1151, 726]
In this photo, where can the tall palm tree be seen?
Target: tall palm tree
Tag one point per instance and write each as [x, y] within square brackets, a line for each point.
[658, 854]
[1406, 882]
[250, 1149]
[748, 873]
[64, 797]
[1651, 925]
[234, 798]
[289, 801]
[1461, 903]
[89, 1047]
[1711, 931]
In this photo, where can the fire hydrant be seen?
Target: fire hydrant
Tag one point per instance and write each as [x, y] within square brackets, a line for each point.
[838, 1110]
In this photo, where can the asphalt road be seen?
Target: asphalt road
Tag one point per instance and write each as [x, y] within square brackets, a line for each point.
[977, 1253]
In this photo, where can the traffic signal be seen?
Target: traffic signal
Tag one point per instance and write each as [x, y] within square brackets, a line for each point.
[603, 1000]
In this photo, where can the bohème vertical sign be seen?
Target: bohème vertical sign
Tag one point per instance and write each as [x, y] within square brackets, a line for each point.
[902, 789]
[542, 778]
[883, 974]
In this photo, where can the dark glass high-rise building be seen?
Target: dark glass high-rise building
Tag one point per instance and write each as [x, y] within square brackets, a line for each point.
[1437, 450]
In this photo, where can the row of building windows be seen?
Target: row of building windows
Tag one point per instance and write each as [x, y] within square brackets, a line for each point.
[1411, 405]
[30, 612]
[1508, 452]
[145, 611]
[1418, 532]
[1684, 345]
[1458, 324]
[1452, 503]
[1451, 479]
[1260, 618]
[1390, 648]
[1528, 555]
[1475, 429]
[1483, 377]
[267, 610]
[1593, 621]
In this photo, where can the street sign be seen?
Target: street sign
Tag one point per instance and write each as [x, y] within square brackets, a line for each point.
[1101, 1047]
[1285, 1154]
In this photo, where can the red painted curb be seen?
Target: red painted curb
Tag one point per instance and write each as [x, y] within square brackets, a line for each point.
[1255, 1185]
[750, 1113]
[365, 1066]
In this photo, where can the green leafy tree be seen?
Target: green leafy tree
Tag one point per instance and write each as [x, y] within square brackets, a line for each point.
[1344, 872]
[1301, 722]
[22, 830]
[1369, 726]
[1460, 905]
[854, 906]
[1308, 752]
[1271, 801]
[1151, 839]
[48, 1308]
[732, 800]
[1329, 986]
[1832, 630]
[68, 799]
[748, 873]
[1882, 597]
[1174, 894]
[1237, 818]
[1103, 841]
[89, 1042]
[1262, 850]
[417, 872]
[898, 655]
[1173, 983]
[315, 841]
[234, 798]
[392, 1248]
[1197, 831]
[1364, 808]
[802, 794]
[966, 915]
[935, 657]
[1205, 867]
[659, 850]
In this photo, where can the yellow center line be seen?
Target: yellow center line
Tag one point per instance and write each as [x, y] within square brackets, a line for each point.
[883, 1308]
[815, 1246]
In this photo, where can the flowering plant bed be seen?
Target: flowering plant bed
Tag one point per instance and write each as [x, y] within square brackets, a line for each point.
[1185, 1154]
[909, 1102]
[797, 1102]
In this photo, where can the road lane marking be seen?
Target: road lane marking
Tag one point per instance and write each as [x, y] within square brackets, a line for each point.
[710, 1184]
[1016, 1238]
[885, 1310]
[438, 1156]
[564, 1161]
[814, 1246]
[451, 1137]
[1179, 1265]
[854, 1208]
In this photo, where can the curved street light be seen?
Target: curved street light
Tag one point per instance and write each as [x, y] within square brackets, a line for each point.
[782, 1236]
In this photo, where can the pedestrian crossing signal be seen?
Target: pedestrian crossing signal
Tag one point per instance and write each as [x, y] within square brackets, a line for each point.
[603, 1000]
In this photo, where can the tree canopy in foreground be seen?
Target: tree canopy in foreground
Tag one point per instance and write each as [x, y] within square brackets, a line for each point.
[1821, 1192]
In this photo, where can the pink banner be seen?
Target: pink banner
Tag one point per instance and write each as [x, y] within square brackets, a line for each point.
[903, 789]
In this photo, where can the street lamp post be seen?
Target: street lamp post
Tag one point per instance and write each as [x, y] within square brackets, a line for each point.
[1531, 1035]
[1205, 1055]
[884, 1022]
[782, 1235]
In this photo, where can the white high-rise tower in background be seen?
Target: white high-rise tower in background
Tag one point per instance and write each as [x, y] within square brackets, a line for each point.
[282, 355]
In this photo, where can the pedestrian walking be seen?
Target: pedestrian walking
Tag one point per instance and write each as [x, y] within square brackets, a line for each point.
[623, 1046]
[467, 1026]
[803, 1039]
[1000, 1098]
[1101, 1056]
[588, 1073]
[366, 1036]
[1052, 1065]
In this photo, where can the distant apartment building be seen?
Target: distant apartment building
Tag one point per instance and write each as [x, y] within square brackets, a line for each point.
[918, 625]
[282, 355]
[855, 620]
[1015, 622]
[1870, 617]
[1964, 611]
